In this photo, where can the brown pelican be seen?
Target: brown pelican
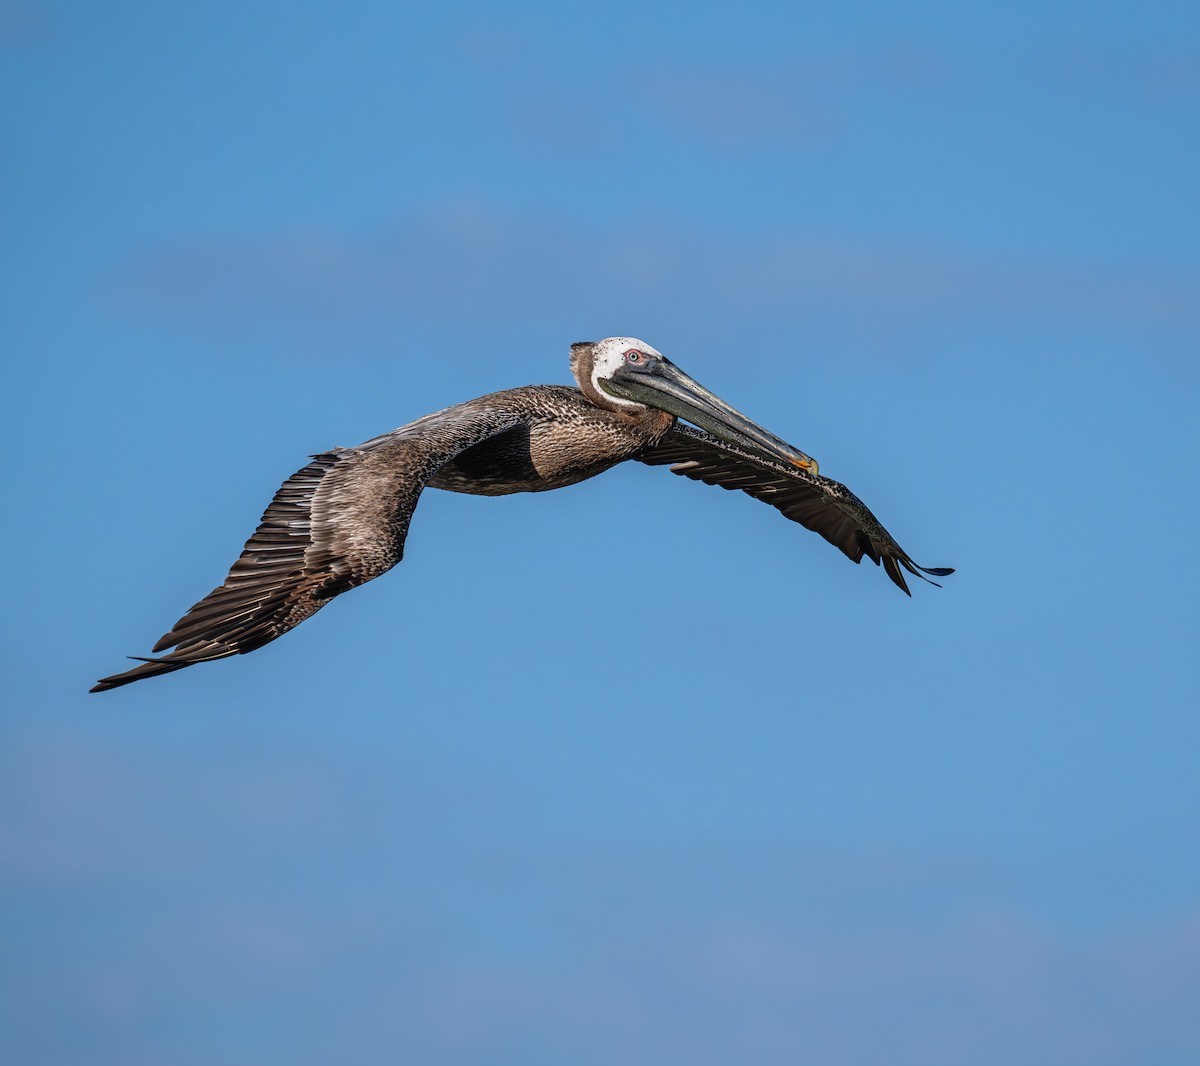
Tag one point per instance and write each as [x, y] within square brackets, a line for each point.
[342, 520]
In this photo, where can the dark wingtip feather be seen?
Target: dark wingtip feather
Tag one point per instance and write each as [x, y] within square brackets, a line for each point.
[894, 572]
[868, 549]
[920, 571]
[148, 668]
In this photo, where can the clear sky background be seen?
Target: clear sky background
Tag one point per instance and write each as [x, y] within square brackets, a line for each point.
[523, 801]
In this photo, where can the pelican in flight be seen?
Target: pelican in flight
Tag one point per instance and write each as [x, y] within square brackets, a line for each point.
[342, 519]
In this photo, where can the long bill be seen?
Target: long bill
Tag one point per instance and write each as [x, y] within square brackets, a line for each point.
[669, 389]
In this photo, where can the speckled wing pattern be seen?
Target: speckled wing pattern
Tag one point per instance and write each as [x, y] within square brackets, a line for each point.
[818, 503]
[335, 524]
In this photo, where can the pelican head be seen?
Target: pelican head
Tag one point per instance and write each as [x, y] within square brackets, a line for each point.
[624, 373]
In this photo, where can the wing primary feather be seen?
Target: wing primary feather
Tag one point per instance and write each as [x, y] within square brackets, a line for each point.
[894, 572]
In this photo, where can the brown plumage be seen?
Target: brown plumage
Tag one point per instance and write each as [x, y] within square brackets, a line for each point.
[342, 519]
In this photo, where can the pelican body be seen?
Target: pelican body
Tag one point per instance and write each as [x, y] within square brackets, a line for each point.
[342, 519]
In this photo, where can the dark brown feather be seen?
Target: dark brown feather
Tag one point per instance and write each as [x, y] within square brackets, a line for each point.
[819, 503]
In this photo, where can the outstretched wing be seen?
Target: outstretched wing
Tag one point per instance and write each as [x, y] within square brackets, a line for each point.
[338, 523]
[818, 503]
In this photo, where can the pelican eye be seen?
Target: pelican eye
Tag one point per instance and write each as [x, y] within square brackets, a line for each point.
[634, 356]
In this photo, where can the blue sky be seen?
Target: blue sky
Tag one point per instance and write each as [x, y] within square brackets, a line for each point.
[764, 809]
